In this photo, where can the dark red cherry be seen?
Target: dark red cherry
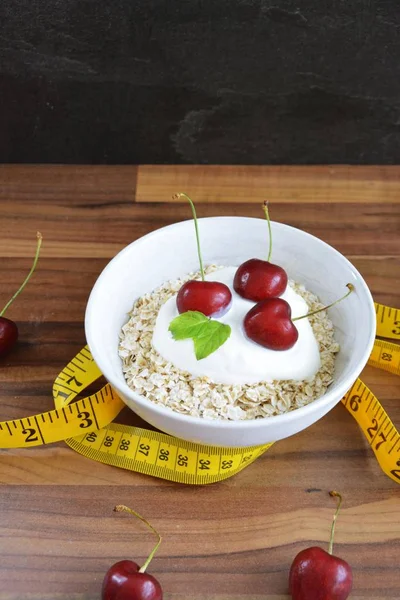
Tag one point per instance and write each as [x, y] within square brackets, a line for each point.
[123, 581]
[8, 335]
[269, 324]
[258, 279]
[319, 575]
[211, 298]
[8, 329]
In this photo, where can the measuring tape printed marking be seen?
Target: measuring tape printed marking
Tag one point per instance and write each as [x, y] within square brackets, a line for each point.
[377, 427]
[161, 455]
[94, 411]
[86, 425]
[385, 355]
[387, 322]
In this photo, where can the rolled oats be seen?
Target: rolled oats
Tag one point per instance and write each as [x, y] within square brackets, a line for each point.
[148, 374]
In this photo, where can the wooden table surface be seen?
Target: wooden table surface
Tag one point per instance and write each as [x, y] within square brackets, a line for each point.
[229, 541]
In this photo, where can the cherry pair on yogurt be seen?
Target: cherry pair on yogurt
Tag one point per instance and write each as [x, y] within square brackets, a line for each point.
[212, 298]
[269, 323]
[255, 280]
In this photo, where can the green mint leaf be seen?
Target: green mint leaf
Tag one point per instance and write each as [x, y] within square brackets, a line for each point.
[187, 324]
[207, 335]
[209, 338]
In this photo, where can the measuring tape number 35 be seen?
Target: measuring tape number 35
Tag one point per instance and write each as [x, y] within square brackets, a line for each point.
[87, 426]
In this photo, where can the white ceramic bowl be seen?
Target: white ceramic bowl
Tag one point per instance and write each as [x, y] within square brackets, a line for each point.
[169, 253]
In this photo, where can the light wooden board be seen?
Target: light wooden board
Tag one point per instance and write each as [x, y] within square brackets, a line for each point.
[244, 184]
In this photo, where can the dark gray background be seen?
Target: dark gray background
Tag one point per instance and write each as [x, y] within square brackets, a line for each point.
[200, 81]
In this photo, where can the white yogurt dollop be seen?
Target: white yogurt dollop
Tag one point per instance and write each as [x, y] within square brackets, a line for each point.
[239, 360]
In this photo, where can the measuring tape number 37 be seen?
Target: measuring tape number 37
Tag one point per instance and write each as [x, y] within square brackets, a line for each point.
[87, 426]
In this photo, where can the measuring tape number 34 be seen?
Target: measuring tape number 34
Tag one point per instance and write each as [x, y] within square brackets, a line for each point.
[87, 426]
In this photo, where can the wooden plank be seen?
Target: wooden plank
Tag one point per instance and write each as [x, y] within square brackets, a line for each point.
[73, 230]
[249, 184]
[46, 184]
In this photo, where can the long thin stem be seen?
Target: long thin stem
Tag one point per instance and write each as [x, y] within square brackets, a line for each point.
[351, 289]
[266, 212]
[181, 194]
[27, 278]
[123, 508]
[335, 516]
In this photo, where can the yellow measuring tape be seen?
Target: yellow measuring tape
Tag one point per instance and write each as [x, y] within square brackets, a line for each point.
[87, 424]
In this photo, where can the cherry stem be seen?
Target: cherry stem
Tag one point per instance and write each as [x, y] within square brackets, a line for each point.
[265, 209]
[180, 195]
[334, 495]
[27, 278]
[351, 289]
[123, 508]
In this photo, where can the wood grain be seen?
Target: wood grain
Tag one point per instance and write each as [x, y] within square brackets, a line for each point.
[73, 230]
[229, 541]
[47, 184]
[249, 184]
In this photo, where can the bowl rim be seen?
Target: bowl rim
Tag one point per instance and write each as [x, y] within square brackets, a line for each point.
[322, 402]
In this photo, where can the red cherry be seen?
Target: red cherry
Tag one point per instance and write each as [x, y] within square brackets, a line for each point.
[318, 575]
[123, 581]
[8, 329]
[8, 335]
[258, 279]
[211, 298]
[269, 324]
